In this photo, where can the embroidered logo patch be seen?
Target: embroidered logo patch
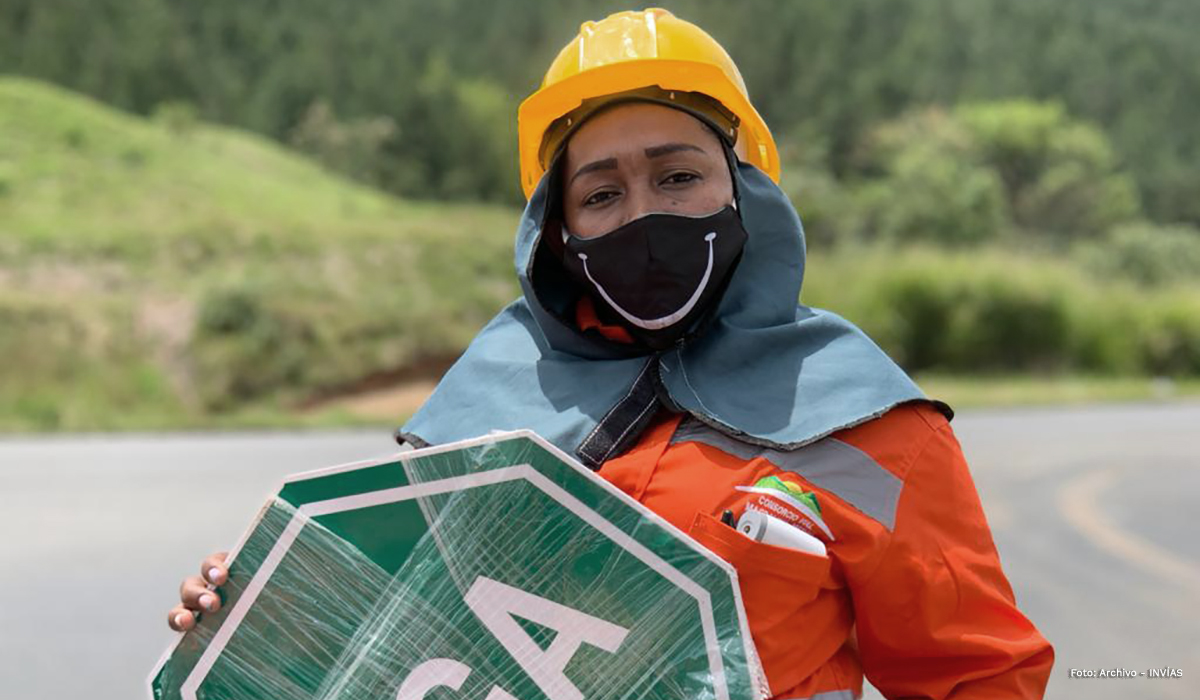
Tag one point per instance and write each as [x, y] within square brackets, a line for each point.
[793, 490]
[790, 503]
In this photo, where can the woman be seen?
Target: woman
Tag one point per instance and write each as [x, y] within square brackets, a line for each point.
[659, 340]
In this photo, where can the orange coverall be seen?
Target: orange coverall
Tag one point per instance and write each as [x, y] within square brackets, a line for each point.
[911, 590]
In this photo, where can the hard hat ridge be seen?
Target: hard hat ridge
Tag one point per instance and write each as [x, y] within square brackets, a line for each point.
[640, 55]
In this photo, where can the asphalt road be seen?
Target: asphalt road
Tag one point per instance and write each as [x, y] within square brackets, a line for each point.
[1093, 510]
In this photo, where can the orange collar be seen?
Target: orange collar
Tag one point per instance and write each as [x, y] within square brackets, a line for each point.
[586, 319]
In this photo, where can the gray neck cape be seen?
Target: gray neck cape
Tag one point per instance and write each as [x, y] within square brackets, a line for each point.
[764, 370]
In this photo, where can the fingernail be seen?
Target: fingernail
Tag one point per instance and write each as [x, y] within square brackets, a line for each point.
[208, 602]
[214, 575]
[179, 620]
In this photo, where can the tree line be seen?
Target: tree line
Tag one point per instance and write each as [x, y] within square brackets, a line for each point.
[420, 98]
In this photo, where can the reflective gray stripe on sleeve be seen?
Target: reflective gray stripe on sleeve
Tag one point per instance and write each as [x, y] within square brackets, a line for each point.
[831, 695]
[830, 464]
[848, 473]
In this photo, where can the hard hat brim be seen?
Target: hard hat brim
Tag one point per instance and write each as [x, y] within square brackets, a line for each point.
[548, 104]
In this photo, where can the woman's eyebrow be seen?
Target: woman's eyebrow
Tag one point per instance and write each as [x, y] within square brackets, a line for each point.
[651, 152]
[669, 148]
[605, 164]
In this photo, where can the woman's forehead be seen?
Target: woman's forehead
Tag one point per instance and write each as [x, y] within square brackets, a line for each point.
[634, 127]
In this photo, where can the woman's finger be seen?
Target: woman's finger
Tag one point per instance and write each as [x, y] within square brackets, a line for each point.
[195, 594]
[213, 568]
[181, 619]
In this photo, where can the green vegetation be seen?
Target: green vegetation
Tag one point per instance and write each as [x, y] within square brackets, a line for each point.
[990, 311]
[164, 273]
[1001, 192]
[418, 97]
[1000, 238]
[983, 173]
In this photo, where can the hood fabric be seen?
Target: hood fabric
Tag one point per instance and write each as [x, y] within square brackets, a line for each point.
[765, 370]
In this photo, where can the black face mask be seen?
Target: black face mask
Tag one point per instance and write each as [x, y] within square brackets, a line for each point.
[661, 273]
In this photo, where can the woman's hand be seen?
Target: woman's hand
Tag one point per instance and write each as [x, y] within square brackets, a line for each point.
[196, 597]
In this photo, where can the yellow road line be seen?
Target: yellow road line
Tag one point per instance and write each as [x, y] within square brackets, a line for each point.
[1079, 502]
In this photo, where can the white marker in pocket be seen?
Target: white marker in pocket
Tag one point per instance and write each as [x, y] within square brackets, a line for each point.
[761, 527]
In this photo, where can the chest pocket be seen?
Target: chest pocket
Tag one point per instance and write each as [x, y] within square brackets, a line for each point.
[779, 588]
[796, 603]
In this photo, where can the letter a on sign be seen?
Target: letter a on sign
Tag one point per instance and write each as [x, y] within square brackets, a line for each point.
[495, 604]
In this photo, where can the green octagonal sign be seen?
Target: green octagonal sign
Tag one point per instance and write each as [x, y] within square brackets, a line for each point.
[491, 569]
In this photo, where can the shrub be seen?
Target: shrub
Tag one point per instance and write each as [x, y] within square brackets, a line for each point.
[75, 364]
[997, 312]
[931, 184]
[178, 116]
[1061, 175]
[1006, 321]
[1171, 341]
[354, 148]
[1146, 253]
[1107, 328]
[966, 176]
[244, 348]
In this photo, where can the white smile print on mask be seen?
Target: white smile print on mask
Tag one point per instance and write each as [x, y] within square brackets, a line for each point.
[654, 324]
[645, 271]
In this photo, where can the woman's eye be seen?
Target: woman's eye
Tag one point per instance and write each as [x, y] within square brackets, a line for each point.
[680, 178]
[599, 198]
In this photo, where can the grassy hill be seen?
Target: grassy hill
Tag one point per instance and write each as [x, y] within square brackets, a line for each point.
[164, 272]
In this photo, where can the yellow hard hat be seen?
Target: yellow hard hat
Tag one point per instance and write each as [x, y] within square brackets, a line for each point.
[624, 53]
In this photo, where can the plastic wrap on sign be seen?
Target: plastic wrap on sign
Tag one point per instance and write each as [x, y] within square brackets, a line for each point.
[491, 569]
